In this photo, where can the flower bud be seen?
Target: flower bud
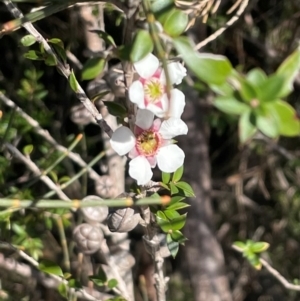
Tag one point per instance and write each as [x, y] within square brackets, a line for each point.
[88, 238]
[105, 187]
[123, 220]
[94, 215]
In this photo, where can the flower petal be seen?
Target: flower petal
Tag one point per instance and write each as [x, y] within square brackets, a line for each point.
[170, 158]
[173, 127]
[122, 140]
[177, 103]
[160, 110]
[136, 94]
[176, 72]
[140, 170]
[144, 119]
[147, 66]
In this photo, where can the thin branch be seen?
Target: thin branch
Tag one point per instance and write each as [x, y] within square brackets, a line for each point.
[274, 273]
[36, 171]
[46, 135]
[212, 37]
[64, 69]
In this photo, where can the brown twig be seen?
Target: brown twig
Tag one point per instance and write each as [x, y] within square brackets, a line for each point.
[233, 19]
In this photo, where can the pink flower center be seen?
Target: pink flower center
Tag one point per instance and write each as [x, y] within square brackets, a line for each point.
[148, 142]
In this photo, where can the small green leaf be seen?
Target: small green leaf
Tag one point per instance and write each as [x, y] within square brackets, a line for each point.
[259, 247]
[158, 6]
[266, 122]
[92, 68]
[247, 91]
[178, 223]
[101, 275]
[272, 88]
[60, 51]
[171, 214]
[256, 77]
[163, 222]
[56, 41]
[73, 82]
[178, 206]
[115, 109]
[173, 188]
[178, 174]
[142, 45]
[287, 120]
[173, 246]
[230, 105]
[105, 36]
[64, 179]
[241, 245]
[63, 290]
[49, 267]
[212, 69]
[178, 237]
[28, 40]
[27, 150]
[123, 52]
[73, 283]
[254, 261]
[246, 127]
[289, 70]
[176, 199]
[186, 188]
[97, 281]
[50, 60]
[112, 283]
[34, 55]
[53, 175]
[165, 177]
[176, 23]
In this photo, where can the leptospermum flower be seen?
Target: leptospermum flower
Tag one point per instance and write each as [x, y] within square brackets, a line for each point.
[150, 91]
[150, 144]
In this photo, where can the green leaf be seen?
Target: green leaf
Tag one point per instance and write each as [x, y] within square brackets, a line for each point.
[178, 223]
[254, 261]
[56, 41]
[259, 247]
[63, 290]
[287, 120]
[73, 82]
[28, 40]
[73, 283]
[50, 60]
[171, 214]
[49, 267]
[115, 109]
[101, 275]
[165, 177]
[173, 246]
[123, 52]
[158, 6]
[178, 237]
[92, 68]
[34, 55]
[246, 127]
[289, 70]
[178, 206]
[27, 150]
[176, 199]
[256, 77]
[247, 91]
[105, 36]
[186, 188]
[112, 283]
[230, 105]
[142, 45]
[60, 51]
[173, 188]
[266, 122]
[163, 222]
[241, 245]
[176, 23]
[212, 69]
[97, 281]
[178, 174]
[271, 89]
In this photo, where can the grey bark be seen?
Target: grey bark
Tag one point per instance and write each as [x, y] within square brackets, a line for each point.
[203, 256]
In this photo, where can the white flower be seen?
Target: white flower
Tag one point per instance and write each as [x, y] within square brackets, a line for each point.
[151, 144]
[150, 91]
